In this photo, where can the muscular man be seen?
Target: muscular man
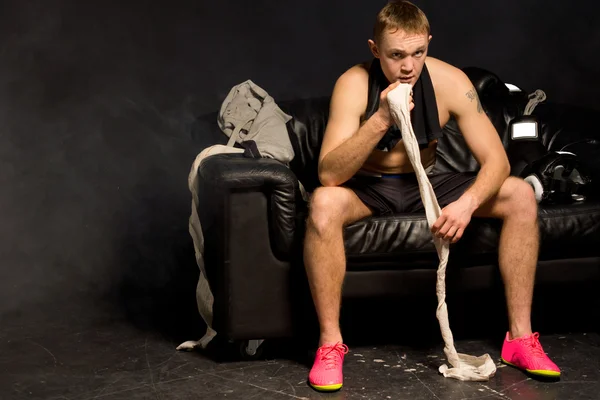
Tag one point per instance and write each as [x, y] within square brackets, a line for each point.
[364, 170]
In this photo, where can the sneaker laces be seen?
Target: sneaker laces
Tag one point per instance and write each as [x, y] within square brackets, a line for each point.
[331, 354]
[535, 346]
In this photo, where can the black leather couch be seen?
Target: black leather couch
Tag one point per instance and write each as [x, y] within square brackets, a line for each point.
[253, 217]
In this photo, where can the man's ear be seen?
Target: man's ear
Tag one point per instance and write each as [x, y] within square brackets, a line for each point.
[373, 48]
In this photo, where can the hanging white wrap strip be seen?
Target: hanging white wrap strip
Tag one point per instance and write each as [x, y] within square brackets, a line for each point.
[463, 366]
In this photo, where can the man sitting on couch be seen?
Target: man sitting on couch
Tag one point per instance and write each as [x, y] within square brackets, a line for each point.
[364, 170]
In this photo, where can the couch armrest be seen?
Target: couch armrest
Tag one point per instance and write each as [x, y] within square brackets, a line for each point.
[231, 173]
[249, 210]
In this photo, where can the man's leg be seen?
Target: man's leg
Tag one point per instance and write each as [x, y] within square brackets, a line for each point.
[516, 206]
[330, 209]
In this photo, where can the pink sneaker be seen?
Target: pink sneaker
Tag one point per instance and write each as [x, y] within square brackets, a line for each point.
[326, 373]
[526, 353]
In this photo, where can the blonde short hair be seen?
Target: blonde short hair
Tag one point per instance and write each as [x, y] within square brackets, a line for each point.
[401, 14]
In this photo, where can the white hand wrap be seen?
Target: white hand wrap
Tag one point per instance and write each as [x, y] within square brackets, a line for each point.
[464, 367]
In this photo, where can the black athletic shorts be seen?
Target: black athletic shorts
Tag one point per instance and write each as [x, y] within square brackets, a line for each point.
[399, 193]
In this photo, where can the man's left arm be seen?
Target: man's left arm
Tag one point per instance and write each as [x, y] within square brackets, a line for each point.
[485, 145]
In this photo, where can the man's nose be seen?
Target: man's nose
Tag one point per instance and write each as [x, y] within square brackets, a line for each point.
[407, 65]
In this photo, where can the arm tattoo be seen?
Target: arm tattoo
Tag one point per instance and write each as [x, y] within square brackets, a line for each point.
[472, 95]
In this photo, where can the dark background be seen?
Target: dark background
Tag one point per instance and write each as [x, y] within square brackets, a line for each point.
[98, 101]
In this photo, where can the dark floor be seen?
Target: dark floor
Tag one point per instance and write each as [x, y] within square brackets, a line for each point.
[78, 356]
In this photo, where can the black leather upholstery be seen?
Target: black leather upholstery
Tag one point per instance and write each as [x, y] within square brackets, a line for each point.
[574, 129]
[570, 231]
[258, 258]
[236, 173]
[394, 238]
[306, 130]
[501, 107]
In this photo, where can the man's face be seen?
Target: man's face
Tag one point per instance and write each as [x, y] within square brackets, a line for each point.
[402, 55]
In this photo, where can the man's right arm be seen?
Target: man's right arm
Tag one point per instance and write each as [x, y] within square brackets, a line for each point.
[347, 143]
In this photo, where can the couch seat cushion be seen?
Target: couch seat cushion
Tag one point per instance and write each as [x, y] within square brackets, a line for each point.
[570, 231]
[407, 237]
[565, 231]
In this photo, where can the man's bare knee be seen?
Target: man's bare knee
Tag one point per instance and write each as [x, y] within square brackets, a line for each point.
[522, 202]
[326, 208]
[334, 207]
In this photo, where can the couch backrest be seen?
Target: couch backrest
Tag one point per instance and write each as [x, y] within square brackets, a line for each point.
[310, 117]
[306, 129]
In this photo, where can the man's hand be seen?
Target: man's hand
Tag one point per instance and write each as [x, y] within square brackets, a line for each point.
[384, 109]
[453, 221]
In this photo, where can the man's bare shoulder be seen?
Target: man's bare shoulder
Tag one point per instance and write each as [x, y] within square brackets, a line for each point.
[355, 78]
[348, 104]
[452, 86]
[352, 87]
[444, 76]
[357, 71]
